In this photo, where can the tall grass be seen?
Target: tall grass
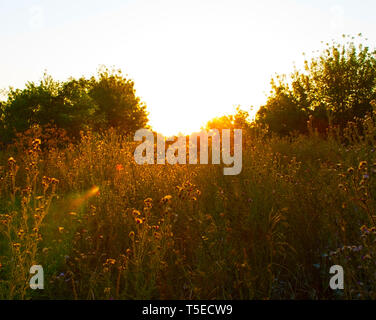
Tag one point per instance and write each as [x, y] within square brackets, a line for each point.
[104, 227]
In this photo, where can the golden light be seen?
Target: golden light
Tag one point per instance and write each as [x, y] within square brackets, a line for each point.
[76, 203]
[190, 60]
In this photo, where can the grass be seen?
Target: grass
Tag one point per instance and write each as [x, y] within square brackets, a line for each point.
[104, 227]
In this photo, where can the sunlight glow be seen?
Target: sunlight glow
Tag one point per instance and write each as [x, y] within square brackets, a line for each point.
[76, 203]
[190, 60]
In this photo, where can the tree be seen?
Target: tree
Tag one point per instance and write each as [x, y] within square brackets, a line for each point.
[334, 88]
[74, 105]
[283, 112]
[118, 105]
[23, 107]
[67, 105]
[238, 120]
[79, 108]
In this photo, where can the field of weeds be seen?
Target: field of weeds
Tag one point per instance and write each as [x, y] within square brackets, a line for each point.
[104, 227]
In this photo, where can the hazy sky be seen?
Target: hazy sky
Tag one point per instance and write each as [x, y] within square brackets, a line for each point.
[190, 60]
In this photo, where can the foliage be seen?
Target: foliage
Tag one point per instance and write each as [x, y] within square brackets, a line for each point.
[74, 105]
[333, 88]
[238, 120]
[112, 229]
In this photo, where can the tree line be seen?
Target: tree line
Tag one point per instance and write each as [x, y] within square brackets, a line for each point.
[96, 103]
[332, 89]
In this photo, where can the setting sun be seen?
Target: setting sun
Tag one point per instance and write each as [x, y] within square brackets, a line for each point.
[208, 151]
[190, 60]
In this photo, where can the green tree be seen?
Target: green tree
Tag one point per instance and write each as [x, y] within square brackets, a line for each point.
[23, 107]
[334, 88]
[67, 105]
[74, 105]
[78, 107]
[118, 105]
[283, 112]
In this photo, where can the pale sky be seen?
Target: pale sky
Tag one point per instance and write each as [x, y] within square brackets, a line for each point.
[190, 60]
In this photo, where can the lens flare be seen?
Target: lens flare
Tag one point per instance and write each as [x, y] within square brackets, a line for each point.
[90, 193]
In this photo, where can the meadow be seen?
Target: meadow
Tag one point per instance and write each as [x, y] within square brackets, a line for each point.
[104, 227]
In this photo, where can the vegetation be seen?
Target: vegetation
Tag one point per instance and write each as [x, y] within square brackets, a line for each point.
[103, 227]
[98, 103]
[334, 88]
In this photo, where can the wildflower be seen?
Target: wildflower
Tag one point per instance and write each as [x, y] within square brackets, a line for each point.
[166, 199]
[364, 229]
[119, 167]
[138, 220]
[61, 229]
[46, 181]
[16, 245]
[362, 165]
[72, 213]
[131, 235]
[350, 170]
[11, 161]
[36, 142]
[148, 202]
[146, 210]
[136, 213]
[110, 261]
[54, 181]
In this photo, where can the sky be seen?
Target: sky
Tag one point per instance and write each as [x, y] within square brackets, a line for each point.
[190, 60]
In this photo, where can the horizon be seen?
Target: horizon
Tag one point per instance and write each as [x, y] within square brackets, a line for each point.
[190, 61]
